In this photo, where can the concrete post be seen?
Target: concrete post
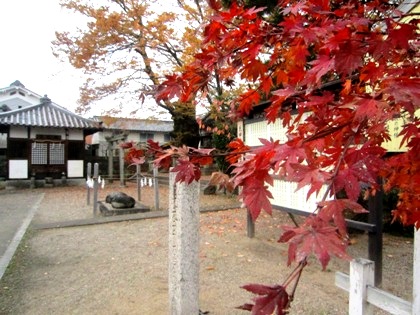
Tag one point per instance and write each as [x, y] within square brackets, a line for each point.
[183, 278]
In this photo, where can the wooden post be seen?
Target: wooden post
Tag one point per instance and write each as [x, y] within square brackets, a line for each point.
[156, 187]
[183, 268]
[362, 273]
[250, 225]
[375, 239]
[138, 180]
[121, 156]
[110, 162]
[416, 273]
[88, 176]
[95, 188]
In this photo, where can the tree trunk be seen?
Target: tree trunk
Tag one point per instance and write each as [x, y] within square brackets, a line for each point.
[186, 130]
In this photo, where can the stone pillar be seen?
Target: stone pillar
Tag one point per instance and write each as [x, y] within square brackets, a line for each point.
[183, 277]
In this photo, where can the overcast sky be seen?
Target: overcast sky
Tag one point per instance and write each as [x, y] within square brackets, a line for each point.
[27, 28]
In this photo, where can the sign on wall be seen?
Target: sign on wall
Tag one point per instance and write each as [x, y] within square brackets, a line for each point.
[18, 169]
[74, 168]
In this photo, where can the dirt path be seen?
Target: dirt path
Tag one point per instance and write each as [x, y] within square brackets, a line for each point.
[121, 268]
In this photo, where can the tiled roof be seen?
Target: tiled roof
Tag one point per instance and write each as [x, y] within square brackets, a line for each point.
[132, 124]
[46, 114]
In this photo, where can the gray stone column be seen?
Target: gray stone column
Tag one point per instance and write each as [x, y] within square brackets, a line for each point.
[183, 253]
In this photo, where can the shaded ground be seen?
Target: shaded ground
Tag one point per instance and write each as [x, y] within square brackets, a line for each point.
[121, 268]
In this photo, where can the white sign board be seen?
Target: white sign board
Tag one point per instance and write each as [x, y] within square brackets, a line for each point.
[74, 168]
[18, 169]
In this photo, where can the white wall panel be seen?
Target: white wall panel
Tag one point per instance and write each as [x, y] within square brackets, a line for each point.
[18, 169]
[74, 168]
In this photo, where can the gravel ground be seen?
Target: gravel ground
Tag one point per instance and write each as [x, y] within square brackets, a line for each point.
[121, 268]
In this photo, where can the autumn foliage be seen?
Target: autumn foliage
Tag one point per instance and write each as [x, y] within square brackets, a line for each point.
[334, 73]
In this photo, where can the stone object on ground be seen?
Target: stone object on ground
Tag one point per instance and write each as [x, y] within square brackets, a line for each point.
[107, 209]
[120, 200]
[210, 190]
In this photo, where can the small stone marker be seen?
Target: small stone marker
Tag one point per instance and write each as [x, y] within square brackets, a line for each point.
[117, 203]
[183, 278]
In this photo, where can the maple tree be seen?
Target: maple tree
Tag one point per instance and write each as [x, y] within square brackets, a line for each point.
[127, 47]
[334, 73]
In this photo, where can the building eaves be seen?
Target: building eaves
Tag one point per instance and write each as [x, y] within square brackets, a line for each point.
[46, 114]
[145, 125]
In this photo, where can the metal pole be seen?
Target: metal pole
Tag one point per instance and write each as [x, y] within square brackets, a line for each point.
[156, 184]
[88, 174]
[95, 188]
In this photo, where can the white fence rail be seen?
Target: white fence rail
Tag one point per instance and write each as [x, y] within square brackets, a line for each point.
[363, 295]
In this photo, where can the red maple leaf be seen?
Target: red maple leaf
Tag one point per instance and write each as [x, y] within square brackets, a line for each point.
[200, 156]
[279, 96]
[215, 4]
[315, 237]
[186, 171]
[309, 175]
[401, 35]
[255, 196]
[270, 299]
[320, 67]
[163, 159]
[289, 153]
[410, 131]
[350, 57]
[332, 210]
[347, 179]
[237, 148]
[246, 102]
[295, 8]
[126, 145]
[366, 109]
[222, 180]
[170, 88]
[298, 53]
[254, 70]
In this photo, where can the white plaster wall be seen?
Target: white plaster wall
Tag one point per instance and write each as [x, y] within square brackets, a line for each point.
[74, 168]
[18, 132]
[18, 169]
[159, 137]
[48, 131]
[75, 134]
[135, 137]
[97, 137]
[286, 195]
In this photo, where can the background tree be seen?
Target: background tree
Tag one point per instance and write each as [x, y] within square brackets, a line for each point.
[128, 46]
[335, 73]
